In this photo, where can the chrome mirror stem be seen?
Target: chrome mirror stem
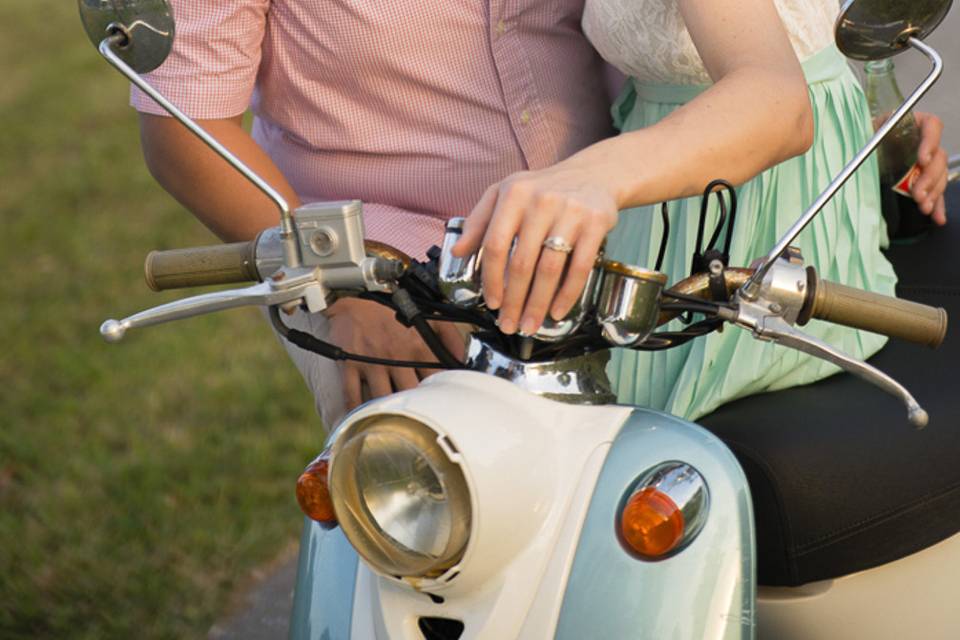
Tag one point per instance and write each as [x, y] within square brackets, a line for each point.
[287, 233]
[751, 288]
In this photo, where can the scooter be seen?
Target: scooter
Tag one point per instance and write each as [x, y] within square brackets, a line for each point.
[509, 497]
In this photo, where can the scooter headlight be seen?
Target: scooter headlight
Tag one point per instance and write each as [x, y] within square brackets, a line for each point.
[400, 497]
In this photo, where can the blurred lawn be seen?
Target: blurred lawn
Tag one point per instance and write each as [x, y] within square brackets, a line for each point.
[141, 482]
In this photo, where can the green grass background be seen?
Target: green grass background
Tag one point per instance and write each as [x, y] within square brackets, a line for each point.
[140, 483]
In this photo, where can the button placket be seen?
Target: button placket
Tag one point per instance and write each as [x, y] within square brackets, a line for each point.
[517, 84]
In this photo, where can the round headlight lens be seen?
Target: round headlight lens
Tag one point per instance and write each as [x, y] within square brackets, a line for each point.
[400, 499]
[403, 494]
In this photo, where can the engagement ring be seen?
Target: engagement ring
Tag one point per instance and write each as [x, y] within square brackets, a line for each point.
[558, 244]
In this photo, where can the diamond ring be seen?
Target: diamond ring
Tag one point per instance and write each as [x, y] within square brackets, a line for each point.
[557, 243]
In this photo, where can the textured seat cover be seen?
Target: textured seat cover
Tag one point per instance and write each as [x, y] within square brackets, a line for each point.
[840, 481]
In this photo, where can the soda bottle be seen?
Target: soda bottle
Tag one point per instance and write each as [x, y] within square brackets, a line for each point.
[897, 155]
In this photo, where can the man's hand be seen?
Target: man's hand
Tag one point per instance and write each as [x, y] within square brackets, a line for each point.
[370, 329]
[929, 186]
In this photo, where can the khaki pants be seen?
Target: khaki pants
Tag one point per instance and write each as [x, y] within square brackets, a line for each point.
[322, 375]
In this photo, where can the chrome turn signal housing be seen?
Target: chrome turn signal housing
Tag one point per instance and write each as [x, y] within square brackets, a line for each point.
[663, 511]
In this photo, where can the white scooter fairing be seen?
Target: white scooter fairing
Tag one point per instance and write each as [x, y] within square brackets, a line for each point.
[545, 560]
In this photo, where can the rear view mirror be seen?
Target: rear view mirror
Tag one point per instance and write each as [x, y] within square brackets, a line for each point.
[876, 29]
[146, 26]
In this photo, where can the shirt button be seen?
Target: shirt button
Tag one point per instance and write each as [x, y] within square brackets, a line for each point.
[524, 116]
[501, 28]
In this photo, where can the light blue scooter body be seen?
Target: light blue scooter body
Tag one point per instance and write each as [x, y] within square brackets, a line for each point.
[326, 576]
[704, 591]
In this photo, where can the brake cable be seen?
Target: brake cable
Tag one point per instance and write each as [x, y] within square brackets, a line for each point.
[313, 344]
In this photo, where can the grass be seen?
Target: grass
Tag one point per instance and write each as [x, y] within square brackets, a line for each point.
[139, 483]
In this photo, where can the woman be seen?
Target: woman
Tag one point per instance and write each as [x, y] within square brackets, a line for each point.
[680, 132]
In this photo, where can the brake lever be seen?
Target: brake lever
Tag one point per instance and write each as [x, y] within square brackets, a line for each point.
[285, 287]
[772, 327]
[309, 286]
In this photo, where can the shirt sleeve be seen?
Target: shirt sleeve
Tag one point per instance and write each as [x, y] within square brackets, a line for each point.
[212, 68]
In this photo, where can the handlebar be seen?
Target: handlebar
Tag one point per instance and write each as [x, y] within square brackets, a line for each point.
[201, 266]
[829, 301]
[911, 321]
[790, 293]
[230, 263]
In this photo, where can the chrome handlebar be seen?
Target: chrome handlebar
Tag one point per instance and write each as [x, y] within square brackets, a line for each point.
[625, 301]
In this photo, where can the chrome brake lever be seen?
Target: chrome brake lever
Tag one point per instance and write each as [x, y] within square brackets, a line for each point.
[286, 286]
[771, 327]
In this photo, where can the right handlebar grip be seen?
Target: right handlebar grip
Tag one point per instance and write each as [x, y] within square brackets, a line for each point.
[878, 313]
[200, 266]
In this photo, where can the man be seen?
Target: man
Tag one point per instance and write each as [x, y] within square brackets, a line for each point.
[413, 107]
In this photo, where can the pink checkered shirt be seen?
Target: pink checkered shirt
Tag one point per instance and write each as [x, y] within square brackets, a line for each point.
[413, 106]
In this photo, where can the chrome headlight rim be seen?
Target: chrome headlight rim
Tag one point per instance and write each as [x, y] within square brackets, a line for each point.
[375, 545]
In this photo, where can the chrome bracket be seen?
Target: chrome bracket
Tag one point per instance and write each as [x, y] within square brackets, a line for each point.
[757, 318]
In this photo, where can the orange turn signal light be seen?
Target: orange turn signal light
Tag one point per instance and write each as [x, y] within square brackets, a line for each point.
[651, 524]
[313, 492]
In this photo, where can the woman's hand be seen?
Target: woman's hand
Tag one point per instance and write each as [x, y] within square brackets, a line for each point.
[566, 203]
[370, 329]
[928, 188]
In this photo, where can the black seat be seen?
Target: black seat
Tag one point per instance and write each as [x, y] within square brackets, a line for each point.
[840, 481]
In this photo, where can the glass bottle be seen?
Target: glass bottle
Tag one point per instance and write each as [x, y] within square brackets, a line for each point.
[897, 154]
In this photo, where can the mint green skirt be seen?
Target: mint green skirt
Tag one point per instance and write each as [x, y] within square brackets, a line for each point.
[843, 243]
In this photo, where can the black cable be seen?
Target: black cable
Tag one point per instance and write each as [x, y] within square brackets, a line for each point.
[723, 218]
[686, 297]
[313, 344]
[438, 311]
[733, 218]
[663, 340]
[411, 311]
[706, 309]
[665, 216]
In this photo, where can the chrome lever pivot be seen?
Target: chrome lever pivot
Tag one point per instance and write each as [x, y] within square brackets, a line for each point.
[771, 327]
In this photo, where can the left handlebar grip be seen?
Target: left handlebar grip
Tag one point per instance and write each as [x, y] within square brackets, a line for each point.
[200, 266]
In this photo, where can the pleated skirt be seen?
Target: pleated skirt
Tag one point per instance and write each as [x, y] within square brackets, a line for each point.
[843, 243]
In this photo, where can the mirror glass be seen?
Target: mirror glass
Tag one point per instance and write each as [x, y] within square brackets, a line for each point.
[148, 25]
[875, 29]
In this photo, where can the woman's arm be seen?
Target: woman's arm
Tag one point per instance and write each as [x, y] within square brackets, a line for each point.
[756, 115]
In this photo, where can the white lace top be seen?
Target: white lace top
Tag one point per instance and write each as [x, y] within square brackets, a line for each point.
[647, 39]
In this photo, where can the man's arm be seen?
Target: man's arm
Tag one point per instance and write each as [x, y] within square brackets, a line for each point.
[226, 202]
[236, 210]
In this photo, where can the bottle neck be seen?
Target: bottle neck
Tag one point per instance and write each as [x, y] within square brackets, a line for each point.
[879, 66]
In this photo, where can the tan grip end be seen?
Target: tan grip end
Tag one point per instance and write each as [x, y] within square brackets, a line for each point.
[878, 313]
[200, 266]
